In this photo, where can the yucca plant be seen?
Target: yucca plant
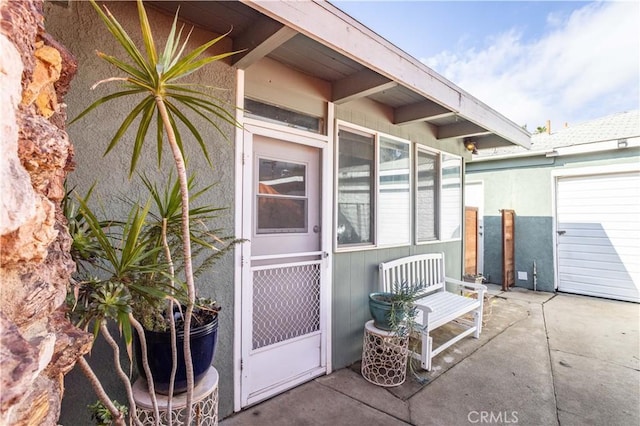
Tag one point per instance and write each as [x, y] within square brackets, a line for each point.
[155, 77]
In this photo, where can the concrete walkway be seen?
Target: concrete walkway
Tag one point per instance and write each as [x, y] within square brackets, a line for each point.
[542, 359]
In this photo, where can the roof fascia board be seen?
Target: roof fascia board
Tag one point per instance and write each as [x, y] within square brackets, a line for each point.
[328, 25]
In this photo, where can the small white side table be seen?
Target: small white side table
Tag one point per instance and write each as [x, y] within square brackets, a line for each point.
[384, 356]
[205, 403]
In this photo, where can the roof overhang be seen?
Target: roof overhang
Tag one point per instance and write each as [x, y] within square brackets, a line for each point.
[319, 39]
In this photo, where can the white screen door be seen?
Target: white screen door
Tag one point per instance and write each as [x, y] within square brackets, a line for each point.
[282, 323]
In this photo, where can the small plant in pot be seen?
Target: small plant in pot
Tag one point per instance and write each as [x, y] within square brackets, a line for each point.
[396, 312]
[390, 310]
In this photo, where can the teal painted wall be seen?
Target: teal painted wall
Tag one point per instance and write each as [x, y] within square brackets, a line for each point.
[355, 275]
[526, 186]
[77, 26]
[534, 243]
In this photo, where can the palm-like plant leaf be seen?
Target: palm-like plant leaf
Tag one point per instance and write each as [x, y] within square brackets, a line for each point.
[106, 99]
[123, 38]
[156, 75]
[125, 126]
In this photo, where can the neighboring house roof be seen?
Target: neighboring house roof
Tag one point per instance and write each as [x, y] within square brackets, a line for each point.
[582, 137]
[320, 40]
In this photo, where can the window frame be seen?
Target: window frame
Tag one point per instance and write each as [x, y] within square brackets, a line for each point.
[375, 196]
[460, 200]
[436, 211]
[439, 210]
[414, 149]
[363, 132]
[265, 196]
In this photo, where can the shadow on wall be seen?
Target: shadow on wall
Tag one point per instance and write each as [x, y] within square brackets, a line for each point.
[533, 242]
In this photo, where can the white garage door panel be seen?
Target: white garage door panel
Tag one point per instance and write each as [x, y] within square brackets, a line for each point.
[600, 291]
[598, 243]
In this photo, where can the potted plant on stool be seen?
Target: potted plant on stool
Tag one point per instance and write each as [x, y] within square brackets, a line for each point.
[155, 77]
[390, 310]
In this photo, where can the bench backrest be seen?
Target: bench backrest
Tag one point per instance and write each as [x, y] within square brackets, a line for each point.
[423, 270]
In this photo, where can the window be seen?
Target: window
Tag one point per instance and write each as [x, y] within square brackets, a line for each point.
[272, 113]
[282, 197]
[374, 190]
[355, 188]
[438, 196]
[394, 197]
[426, 196]
[451, 196]
[376, 197]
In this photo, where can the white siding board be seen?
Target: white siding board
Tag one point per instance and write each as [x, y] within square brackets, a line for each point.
[598, 248]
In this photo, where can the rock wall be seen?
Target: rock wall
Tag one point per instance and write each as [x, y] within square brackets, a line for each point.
[37, 344]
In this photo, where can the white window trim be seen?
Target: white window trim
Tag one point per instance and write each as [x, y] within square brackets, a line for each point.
[380, 135]
[344, 125]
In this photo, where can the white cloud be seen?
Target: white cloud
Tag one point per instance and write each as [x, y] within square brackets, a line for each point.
[587, 65]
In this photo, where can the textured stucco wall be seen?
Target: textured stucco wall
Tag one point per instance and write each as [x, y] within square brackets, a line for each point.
[78, 26]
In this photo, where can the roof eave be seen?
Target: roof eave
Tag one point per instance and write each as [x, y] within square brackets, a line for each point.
[330, 26]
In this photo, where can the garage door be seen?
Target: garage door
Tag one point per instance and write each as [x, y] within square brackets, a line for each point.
[598, 225]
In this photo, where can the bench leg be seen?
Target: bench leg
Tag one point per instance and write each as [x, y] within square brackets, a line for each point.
[477, 319]
[427, 347]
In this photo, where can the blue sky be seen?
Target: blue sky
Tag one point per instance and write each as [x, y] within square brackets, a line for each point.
[568, 61]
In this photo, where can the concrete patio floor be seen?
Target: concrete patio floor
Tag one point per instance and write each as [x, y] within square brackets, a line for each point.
[542, 359]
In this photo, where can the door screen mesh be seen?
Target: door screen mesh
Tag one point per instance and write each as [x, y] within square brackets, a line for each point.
[286, 303]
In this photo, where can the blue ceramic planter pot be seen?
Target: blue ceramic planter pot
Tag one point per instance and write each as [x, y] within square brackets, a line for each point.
[203, 346]
[380, 308]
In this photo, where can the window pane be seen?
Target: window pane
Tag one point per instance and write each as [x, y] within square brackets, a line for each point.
[280, 215]
[281, 177]
[451, 197]
[426, 196]
[394, 199]
[355, 188]
[276, 114]
[282, 203]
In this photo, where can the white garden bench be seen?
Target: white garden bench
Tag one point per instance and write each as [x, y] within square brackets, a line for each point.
[436, 306]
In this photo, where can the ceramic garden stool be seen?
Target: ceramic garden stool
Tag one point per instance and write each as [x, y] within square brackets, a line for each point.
[384, 356]
[205, 403]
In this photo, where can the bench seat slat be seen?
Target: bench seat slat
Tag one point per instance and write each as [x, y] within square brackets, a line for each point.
[445, 307]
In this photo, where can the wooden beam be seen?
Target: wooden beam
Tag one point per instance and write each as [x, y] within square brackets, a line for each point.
[359, 85]
[262, 37]
[463, 129]
[420, 111]
[491, 141]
